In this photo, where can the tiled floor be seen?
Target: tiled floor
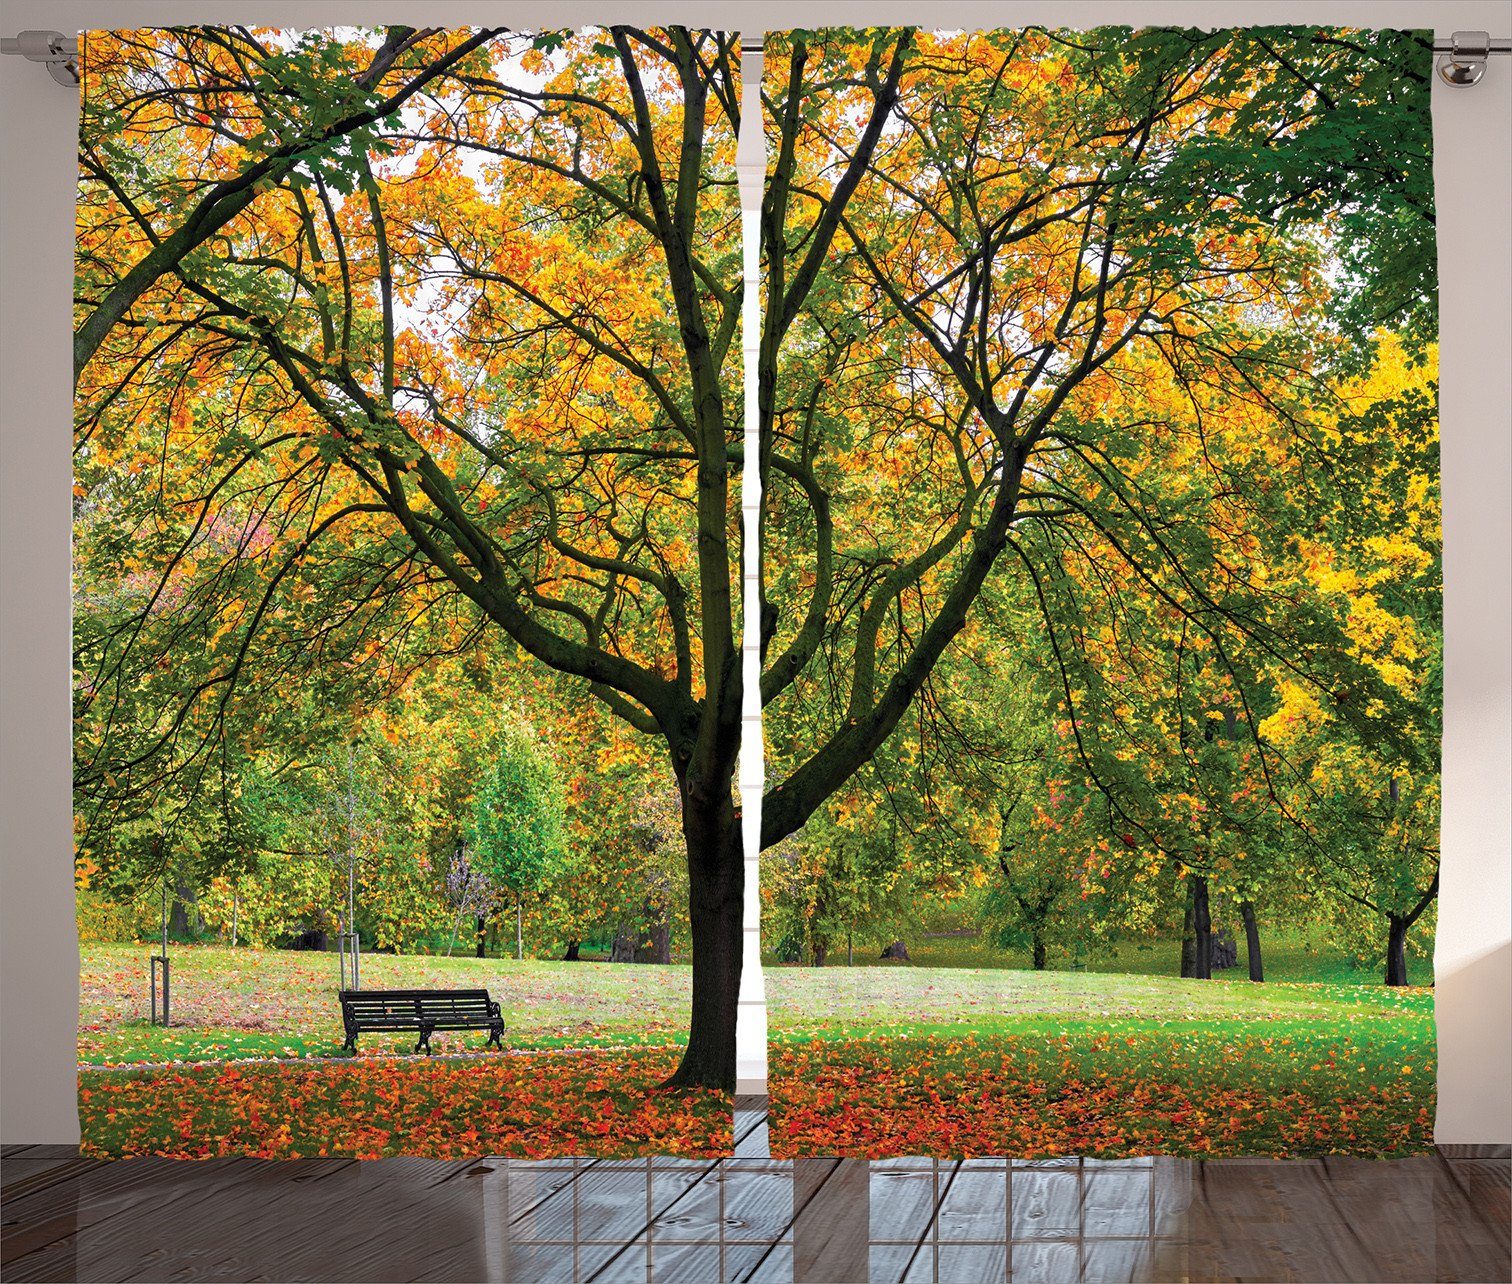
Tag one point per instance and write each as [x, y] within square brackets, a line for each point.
[666, 1221]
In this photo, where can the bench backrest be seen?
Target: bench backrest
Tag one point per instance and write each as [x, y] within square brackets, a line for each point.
[414, 1004]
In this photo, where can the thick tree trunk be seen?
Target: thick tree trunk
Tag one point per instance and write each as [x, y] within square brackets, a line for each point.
[572, 955]
[1398, 926]
[623, 948]
[819, 945]
[1252, 941]
[716, 887]
[1041, 958]
[184, 919]
[482, 936]
[658, 946]
[1224, 953]
[1396, 949]
[658, 941]
[1202, 929]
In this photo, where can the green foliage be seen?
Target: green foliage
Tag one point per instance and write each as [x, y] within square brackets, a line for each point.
[99, 918]
[517, 821]
[1070, 590]
[842, 875]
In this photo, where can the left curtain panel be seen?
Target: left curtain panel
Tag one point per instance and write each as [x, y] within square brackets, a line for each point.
[406, 390]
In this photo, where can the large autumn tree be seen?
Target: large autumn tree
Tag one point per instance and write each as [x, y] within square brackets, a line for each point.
[412, 334]
[1062, 307]
[390, 340]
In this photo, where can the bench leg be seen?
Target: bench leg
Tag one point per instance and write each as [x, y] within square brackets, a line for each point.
[495, 1037]
[424, 1041]
[350, 1045]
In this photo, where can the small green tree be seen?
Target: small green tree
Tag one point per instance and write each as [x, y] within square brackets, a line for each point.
[844, 874]
[1037, 896]
[518, 820]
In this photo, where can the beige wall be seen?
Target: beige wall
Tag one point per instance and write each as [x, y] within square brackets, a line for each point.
[38, 955]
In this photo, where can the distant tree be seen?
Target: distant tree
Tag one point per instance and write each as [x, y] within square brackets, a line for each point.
[517, 820]
[335, 812]
[654, 836]
[468, 892]
[846, 874]
[1036, 898]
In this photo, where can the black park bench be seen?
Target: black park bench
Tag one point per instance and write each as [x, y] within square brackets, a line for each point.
[425, 1011]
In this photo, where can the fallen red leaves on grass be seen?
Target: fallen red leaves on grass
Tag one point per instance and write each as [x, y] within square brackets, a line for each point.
[535, 1107]
[879, 1098]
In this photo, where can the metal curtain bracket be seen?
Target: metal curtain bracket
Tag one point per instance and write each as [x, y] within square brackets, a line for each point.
[1462, 58]
[55, 51]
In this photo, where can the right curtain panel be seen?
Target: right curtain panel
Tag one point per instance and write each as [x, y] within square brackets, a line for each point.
[1101, 582]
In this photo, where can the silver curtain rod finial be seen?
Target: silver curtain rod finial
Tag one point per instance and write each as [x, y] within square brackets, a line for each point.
[57, 52]
[1462, 59]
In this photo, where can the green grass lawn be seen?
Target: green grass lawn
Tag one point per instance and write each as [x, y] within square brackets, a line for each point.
[864, 1060]
[240, 1003]
[957, 1061]
[230, 1004]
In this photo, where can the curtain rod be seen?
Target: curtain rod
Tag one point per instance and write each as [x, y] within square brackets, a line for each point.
[1462, 56]
[57, 52]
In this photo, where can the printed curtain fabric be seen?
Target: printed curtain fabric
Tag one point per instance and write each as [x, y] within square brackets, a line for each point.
[1102, 578]
[1099, 609]
[408, 382]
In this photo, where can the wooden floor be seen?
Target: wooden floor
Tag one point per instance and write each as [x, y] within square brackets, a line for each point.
[753, 1218]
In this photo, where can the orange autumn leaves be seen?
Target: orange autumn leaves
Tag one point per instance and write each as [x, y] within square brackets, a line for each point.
[1035, 1098]
[528, 1106]
[468, 289]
